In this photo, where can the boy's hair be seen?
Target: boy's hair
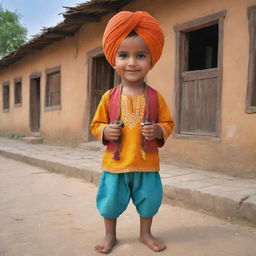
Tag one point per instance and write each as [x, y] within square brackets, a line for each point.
[132, 33]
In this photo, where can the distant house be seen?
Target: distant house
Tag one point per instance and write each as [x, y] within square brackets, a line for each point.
[52, 85]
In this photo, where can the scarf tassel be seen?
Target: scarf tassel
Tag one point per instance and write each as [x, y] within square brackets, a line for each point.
[116, 156]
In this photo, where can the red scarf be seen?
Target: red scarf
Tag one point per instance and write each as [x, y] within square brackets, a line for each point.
[150, 114]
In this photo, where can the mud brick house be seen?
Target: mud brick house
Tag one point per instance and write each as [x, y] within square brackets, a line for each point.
[52, 84]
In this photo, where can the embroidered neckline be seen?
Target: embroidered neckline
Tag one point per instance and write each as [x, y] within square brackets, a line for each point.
[130, 118]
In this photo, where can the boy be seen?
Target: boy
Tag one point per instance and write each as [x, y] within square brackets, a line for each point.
[133, 121]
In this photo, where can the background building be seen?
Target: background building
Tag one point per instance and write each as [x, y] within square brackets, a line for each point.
[52, 85]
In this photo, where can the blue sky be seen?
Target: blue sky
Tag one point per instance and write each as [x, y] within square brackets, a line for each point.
[37, 14]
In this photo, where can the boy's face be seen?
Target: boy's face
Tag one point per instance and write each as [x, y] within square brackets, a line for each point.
[133, 60]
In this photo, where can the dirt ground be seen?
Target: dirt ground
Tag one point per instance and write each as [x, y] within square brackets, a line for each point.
[47, 214]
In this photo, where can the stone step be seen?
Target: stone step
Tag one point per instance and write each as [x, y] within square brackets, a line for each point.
[32, 140]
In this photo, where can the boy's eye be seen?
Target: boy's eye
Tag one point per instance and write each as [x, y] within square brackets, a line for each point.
[141, 56]
[122, 55]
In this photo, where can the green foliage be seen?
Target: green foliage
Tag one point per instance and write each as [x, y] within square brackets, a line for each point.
[11, 136]
[14, 136]
[12, 33]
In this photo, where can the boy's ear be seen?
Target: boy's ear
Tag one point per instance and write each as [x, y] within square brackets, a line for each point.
[151, 65]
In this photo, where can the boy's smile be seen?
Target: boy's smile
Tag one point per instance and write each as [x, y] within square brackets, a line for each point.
[133, 60]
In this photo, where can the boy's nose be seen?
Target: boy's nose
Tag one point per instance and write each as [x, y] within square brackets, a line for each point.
[132, 61]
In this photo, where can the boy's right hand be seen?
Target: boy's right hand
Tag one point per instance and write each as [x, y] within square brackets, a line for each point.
[112, 132]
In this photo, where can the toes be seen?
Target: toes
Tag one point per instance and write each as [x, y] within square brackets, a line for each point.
[99, 248]
[103, 248]
[106, 250]
[159, 247]
[152, 243]
[156, 246]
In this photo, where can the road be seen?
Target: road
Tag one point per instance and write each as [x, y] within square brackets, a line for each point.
[48, 214]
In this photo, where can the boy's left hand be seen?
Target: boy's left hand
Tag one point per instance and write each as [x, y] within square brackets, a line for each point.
[152, 132]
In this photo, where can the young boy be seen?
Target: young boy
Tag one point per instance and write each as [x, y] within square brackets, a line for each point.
[133, 121]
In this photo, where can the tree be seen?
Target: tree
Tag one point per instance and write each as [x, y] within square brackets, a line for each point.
[12, 33]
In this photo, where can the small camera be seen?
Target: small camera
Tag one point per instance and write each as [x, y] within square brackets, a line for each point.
[119, 123]
[146, 123]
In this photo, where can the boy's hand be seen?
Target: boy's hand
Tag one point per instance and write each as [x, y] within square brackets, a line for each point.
[152, 132]
[112, 132]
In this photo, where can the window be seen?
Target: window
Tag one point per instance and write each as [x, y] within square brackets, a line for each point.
[251, 88]
[198, 76]
[53, 87]
[17, 91]
[6, 96]
[203, 48]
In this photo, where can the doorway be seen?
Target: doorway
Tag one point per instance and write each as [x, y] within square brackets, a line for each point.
[102, 80]
[102, 77]
[35, 103]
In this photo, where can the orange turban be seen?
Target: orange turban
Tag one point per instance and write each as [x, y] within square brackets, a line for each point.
[120, 26]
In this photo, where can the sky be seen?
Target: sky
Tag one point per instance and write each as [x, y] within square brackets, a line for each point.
[36, 14]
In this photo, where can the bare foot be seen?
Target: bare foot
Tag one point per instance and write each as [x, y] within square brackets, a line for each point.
[107, 244]
[152, 243]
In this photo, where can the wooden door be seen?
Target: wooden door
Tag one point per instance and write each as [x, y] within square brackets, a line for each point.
[102, 79]
[198, 112]
[35, 104]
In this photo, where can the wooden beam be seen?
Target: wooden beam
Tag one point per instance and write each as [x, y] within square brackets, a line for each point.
[201, 22]
[58, 34]
[80, 18]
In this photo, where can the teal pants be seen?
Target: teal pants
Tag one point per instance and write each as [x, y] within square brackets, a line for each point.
[116, 189]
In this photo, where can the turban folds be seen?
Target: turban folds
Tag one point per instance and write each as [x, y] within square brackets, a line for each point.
[120, 26]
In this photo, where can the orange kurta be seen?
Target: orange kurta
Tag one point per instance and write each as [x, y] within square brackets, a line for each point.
[132, 113]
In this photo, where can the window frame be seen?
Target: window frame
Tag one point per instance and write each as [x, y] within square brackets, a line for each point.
[16, 81]
[6, 84]
[251, 86]
[48, 72]
[181, 63]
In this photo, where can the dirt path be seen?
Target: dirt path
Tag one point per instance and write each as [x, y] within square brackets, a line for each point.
[47, 214]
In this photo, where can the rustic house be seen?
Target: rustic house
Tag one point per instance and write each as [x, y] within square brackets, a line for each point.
[52, 84]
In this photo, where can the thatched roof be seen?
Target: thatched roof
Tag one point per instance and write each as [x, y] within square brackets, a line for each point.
[74, 18]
